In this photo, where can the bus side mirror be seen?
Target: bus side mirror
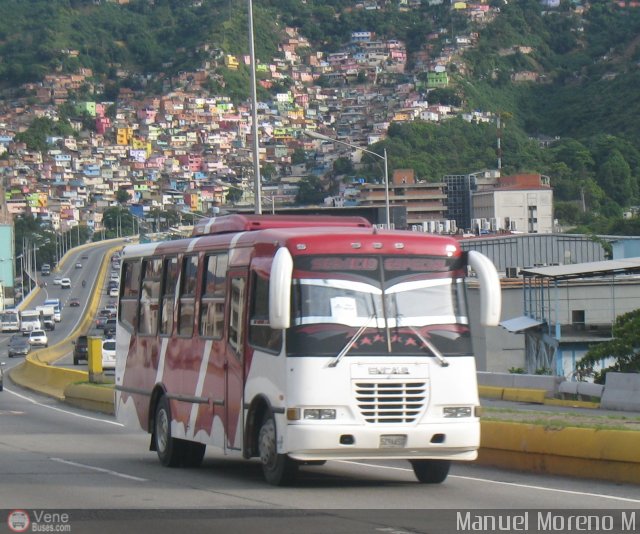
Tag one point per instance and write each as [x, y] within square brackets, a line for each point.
[280, 289]
[490, 290]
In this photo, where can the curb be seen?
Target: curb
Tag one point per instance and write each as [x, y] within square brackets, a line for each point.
[91, 397]
[579, 452]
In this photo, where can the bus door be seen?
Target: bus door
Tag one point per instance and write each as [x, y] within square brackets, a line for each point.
[234, 358]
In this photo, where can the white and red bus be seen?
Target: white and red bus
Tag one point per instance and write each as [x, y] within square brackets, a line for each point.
[301, 339]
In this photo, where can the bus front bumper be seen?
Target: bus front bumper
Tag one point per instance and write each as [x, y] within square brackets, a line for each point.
[453, 441]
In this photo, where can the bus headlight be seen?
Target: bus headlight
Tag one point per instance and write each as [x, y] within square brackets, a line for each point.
[318, 413]
[457, 411]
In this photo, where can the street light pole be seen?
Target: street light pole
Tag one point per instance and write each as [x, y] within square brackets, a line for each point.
[316, 135]
[254, 116]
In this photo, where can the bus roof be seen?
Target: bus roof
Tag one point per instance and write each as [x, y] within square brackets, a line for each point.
[244, 223]
[303, 236]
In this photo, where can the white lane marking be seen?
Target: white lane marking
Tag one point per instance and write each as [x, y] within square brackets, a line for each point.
[55, 409]
[513, 484]
[99, 469]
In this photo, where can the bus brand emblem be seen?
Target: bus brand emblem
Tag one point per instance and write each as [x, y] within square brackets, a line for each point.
[389, 371]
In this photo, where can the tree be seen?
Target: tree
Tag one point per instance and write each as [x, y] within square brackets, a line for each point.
[123, 196]
[624, 348]
[311, 191]
[234, 195]
[299, 156]
[614, 176]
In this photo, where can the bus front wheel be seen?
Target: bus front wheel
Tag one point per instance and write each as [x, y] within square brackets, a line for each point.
[278, 469]
[431, 471]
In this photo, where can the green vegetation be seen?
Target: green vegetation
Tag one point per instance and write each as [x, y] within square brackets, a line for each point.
[559, 420]
[584, 63]
[624, 348]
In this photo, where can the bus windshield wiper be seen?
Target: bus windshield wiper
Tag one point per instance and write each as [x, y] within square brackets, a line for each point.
[439, 356]
[351, 342]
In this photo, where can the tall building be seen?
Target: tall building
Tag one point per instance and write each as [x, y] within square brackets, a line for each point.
[423, 201]
[459, 189]
[522, 203]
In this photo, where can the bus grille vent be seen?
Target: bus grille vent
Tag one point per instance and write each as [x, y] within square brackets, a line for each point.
[385, 402]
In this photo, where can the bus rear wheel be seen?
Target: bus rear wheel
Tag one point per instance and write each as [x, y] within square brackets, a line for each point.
[278, 469]
[431, 471]
[170, 450]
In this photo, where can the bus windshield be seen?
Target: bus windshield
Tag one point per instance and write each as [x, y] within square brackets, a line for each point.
[390, 304]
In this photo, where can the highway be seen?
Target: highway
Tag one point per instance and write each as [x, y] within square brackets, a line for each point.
[56, 457]
[91, 259]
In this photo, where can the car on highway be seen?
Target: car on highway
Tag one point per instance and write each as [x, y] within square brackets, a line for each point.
[78, 265]
[57, 281]
[74, 302]
[18, 346]
[85, 256]
[80, 349]
[109, 329]
[65, 283]
[38, 338]
[108, 354]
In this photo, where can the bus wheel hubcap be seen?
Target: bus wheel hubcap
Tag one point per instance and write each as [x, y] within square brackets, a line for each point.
[268, 444]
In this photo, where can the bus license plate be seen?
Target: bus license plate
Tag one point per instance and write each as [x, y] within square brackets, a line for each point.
[393, 441]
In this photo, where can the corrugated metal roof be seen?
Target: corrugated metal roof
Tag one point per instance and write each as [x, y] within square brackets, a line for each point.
[520, 324]
[585, 270]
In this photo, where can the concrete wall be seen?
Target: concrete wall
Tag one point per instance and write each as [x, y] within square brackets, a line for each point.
[621, 392]
[496, 349]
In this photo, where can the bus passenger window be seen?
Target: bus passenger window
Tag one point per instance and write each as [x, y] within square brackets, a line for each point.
[235, 314]
[212, 301]
[188, 284]
[128, 307]
[168, 295]
[260, 332]
[149, 296]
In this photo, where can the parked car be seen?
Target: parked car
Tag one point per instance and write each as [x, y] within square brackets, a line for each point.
[65, 283]
[74, 302]
[18, 346]
[108, 354]
[38, 338]
[113, 308]
[80, 349]
[114, 291]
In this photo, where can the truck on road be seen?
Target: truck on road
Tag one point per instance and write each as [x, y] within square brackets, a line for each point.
[30, 320]
[47, 317]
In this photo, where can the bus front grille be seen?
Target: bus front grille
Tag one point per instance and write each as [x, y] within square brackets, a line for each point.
[391, 402]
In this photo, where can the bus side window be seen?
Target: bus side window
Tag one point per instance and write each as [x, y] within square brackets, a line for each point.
[149, 296]
[212, 298]
[260, 332]
[238, 285]
[188, 283]
[169, 285]
[130, 291]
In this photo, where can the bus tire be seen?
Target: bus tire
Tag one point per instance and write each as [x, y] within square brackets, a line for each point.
[193, 453]
[170, 450]
[278, 469]
[431, 471]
